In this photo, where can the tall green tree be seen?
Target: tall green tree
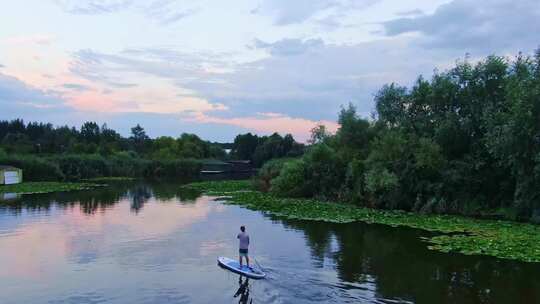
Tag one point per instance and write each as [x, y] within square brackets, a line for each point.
[139, 139]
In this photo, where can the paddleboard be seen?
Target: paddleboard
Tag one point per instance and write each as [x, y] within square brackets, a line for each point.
[234, 266]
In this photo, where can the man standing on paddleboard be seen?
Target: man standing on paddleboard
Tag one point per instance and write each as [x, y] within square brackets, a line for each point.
[244, 245]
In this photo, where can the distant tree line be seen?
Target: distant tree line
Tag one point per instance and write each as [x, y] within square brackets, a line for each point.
[44, 138]
[467, 141]
[46, 152]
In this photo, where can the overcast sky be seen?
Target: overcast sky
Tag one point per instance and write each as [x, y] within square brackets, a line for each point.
[218, 68]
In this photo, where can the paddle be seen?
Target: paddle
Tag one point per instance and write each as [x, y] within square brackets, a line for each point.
[259, 265]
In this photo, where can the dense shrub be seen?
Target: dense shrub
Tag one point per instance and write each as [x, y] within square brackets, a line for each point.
[34, 168]
[326, 171]
[269, 171]
[172, 168]
[353, 189]
[127, 164]
[293, 180]
[79, 166]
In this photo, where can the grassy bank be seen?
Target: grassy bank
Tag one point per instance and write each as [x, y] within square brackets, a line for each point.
[45, 187]
[500, 239]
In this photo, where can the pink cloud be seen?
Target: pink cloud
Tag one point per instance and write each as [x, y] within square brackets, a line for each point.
[98, 102]
[134, 100]
[267, 123]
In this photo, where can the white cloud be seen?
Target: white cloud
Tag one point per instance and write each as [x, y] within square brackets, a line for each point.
[112, 69]
[314, 84]
[142, 80]
[91, 7]
[164, 12]
[300, 78]
[411, 13]
[287, 47]
[76, 87]
[286, 12]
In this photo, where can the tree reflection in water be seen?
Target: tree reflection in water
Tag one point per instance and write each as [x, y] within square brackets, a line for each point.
[139, 196]
[89, 201]
[165, 192]
[401, 266]
[101, 199]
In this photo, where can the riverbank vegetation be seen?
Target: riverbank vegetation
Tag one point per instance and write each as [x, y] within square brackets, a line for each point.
[502, 239]
[48, 153]
[46, 187]
[466, 141]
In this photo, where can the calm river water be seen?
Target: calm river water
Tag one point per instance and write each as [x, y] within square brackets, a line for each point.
[152, 243]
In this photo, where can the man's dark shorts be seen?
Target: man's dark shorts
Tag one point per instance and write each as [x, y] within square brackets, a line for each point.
[243, 252]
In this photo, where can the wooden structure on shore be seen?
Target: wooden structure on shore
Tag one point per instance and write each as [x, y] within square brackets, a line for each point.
[226, 167]
[10, 175]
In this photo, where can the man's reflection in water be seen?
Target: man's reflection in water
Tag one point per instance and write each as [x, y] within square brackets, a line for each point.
[243, 291]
